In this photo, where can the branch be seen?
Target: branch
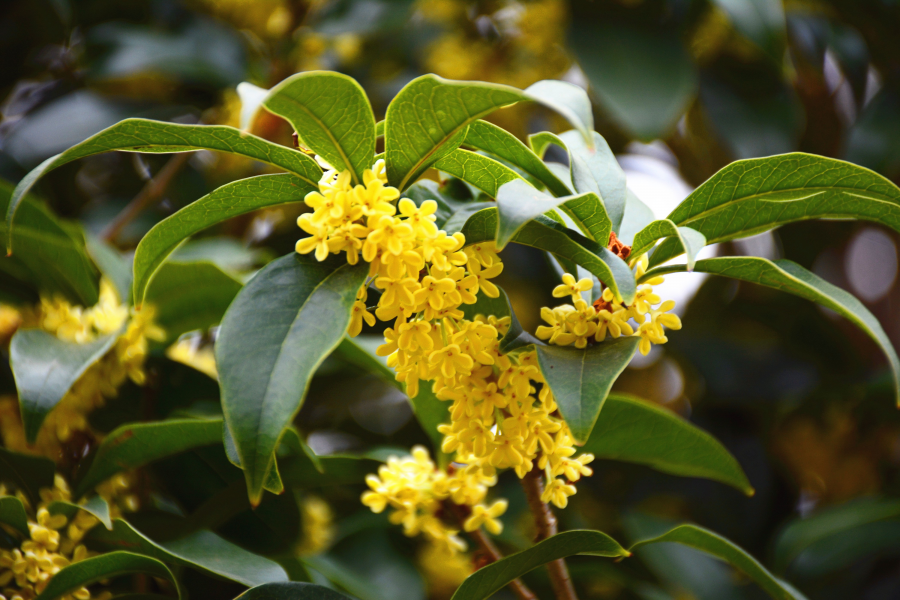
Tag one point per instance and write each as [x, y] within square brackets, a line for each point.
[545, 521]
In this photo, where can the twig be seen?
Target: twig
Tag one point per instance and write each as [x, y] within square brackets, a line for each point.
[545, 521]
[491, 552]
[149, 194]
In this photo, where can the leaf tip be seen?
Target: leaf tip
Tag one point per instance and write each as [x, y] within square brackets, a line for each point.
[750, 491]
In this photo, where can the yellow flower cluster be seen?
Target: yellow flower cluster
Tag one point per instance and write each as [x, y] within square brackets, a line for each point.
[581, 323]
[444, 571]
[318, 526]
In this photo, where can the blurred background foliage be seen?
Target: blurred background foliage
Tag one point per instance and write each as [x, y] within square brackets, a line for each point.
[680, 88]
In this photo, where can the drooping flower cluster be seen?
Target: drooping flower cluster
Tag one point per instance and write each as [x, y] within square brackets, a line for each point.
[581, 323]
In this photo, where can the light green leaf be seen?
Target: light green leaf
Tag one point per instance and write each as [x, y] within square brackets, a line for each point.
[379, 129]
[719, 547]
[96, 506]
[751, 196]
[691, 240]
[539, 142]
[231, 200]
[291, 590]
[29, 474]
[46, 367]
[143, 135]
[569, 100]
[278, 330]
[105, 566]
[489, 138]
[484, 582]
[331, 114]
[201, 550]
[12, 513]
[190, 296]
[135, 445]
[603, 167]
[637, 216]
[637, 431]
[790, 277]
[484, 173]
[545, 234]
[581, 379]
[760, 21]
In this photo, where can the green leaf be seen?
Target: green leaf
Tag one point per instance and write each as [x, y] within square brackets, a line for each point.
[751, 196]
[790, 277]
[201, 550]
[719, 547]
[132, 446]
[603, 167]
[760, 21]
[569, 100]
[45, 368]
[545, 234]
[231, 200]
[291, 590]
[581, 379]
[484, 173]
[637, 216]
[50, 255]
[143, 135]
[332, 116]
[12, 513]
[105, 566]
[487, 580]
[691, 240]
[278, 330]
[518, 203]
[489, 138]
[29, 474]
[190, 296]
[452, 212]
[96, 506]
[637, 431]
[379, 129]
[115, 267]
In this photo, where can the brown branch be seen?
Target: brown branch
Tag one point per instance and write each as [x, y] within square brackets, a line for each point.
[488, 549]
[545, 521]
[152, 191]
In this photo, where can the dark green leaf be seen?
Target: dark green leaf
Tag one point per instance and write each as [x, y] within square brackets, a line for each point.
[331, 114]
[29, 474]
[487, 580]
[105, 566]
[292, 590]
[278, 330]
[453, 212]
[691, 240]
[46, 367]
[12, 513]
[96, 506]
[633, 430]
[751, 196]
[484, 173]
[231, 200]
[760, 21]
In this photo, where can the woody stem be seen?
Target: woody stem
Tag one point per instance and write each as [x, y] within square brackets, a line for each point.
[545, 522]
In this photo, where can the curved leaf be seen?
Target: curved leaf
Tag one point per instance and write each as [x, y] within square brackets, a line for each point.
[12, 513]
[291, 590]
[144, 135]
[489, 138]
[790, 277]
[484, 173]
[691, 240]
[603, 168]
[278, 330]
[29, 474]
[751, 196]
[105, 566]
[637, 431]
[201, 550]
[132, 446]
[332, 116]
[715, 545]
[231, 200]
[569, 100]
[487, 580]
[45, 368]
[545, 234]
[96, 506]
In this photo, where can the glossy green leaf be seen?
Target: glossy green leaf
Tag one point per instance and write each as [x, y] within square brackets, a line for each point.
[201, 550]
[691, 240]
[494, 140]
[760, 21]
[751, 196]
[190, 296]
[96, 506]
[719, 547]
[29, 474]
[132, 446]
[291, 590]
[46, 367]
[331, 114]
[12, 513]
[545, 234]
[230, 200]
[278, 330]
[637, 431]
[603, 167]
[143, 135]
[637, 216]
[105, 566]
[49, 253]
[581, 379]
[484, 173]
[569, 100]
[484, 582]
[790, 277]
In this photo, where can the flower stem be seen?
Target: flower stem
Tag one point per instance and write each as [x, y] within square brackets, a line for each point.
[545, 521]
